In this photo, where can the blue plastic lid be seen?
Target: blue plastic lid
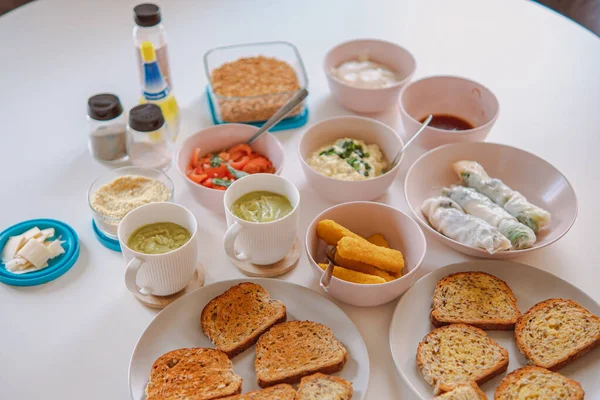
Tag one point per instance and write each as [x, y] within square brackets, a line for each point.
[56, 266]
[108, 242]
[293, 122]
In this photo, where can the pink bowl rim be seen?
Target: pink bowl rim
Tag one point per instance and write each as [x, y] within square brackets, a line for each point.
[400, 83]
[375, 204]
[370, 120]
[216, 128]
[466, 132]
[484, 253]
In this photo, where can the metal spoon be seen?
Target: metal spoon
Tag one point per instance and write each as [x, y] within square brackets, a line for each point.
[403, 149]
[280, 114]
[326, 277]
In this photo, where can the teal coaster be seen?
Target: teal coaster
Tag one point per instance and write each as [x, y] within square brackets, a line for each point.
[293, 122]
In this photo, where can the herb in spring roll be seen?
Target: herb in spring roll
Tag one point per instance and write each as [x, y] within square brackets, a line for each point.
[473, 175]
[448, 218]
[480, 206]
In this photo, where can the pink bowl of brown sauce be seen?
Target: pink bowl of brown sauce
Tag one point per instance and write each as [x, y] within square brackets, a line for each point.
[463, 110]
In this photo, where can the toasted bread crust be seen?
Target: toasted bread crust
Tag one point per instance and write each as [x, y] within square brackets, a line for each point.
[223, 304]
[482, 376]
[524, 348]
[307, 380]
[515, 376]
[327, 364]
[277, 392]
[438, 319]
[193, 374]
[476, 390]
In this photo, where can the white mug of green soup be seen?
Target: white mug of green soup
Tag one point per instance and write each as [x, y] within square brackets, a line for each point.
[262, 218]
[160, 247]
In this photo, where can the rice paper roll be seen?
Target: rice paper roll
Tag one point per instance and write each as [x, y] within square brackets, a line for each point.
[448, 218]
[473, 175]
[480, 206]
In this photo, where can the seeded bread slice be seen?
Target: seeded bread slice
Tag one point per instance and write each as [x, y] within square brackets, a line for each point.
[457, 354]
[294, 349]
[192, 374]
[474, 298]
[555, 332]
[235, 320]
[538, 383]
[324, 387]
[465, 391]
[277, 392]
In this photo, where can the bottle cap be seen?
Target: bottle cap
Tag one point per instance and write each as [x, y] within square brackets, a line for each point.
[146, 118]
[104, 107]
[146, 14]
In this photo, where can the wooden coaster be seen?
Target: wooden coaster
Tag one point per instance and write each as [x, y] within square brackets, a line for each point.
[161, 302]
[268, 271]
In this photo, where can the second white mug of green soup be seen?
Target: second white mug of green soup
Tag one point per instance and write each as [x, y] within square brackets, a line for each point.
[262, 218]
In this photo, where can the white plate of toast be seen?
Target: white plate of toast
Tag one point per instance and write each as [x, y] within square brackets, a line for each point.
[475, 326]
[239, 318]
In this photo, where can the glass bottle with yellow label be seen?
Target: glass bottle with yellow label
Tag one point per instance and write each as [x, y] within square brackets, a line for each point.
[156, 91]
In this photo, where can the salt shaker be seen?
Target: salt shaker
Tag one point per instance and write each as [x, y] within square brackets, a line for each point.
[107, 126]
[148, 139]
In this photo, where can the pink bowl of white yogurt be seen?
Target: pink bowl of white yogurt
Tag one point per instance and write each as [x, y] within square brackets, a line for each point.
[366, 75]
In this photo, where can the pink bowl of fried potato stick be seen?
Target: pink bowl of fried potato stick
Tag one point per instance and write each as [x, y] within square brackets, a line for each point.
[365, 219]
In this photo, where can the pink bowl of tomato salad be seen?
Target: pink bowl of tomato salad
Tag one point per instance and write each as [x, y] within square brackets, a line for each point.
[212, 159]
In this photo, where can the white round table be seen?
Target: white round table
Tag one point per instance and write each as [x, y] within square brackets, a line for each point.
[72, 338]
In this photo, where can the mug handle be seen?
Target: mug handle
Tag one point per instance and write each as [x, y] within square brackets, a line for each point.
[229, 242]
[131, 272]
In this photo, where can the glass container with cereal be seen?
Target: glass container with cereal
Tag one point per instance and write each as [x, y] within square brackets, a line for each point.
[249, 82]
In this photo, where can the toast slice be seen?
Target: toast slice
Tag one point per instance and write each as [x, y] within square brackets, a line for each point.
[555, 332]
[457, 354]
[465, 391]
[538, 383]
[295, 349]
[277, 392]
[324, 387]
[192, 374]
[235, 320]
[474, 298]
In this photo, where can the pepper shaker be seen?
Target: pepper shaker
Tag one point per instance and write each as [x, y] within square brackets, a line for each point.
[107, 124]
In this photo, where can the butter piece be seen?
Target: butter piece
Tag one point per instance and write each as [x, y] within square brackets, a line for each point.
[36, 253]
[13, 244]
[55, 248]
[18, 264]
[45, 234]
[32, 233]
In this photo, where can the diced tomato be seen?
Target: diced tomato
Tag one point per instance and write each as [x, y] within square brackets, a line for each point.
[240, 163]
[208, 183]
[224, 156]
[258, 165]
[218, 172]
[198, 178]
[242, 147]
[220, 187]
[195, 157]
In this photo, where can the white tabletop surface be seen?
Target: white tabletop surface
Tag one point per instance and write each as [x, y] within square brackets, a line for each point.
[72, 338]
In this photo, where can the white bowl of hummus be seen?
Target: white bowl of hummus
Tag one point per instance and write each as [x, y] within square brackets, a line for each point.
[346, 158]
